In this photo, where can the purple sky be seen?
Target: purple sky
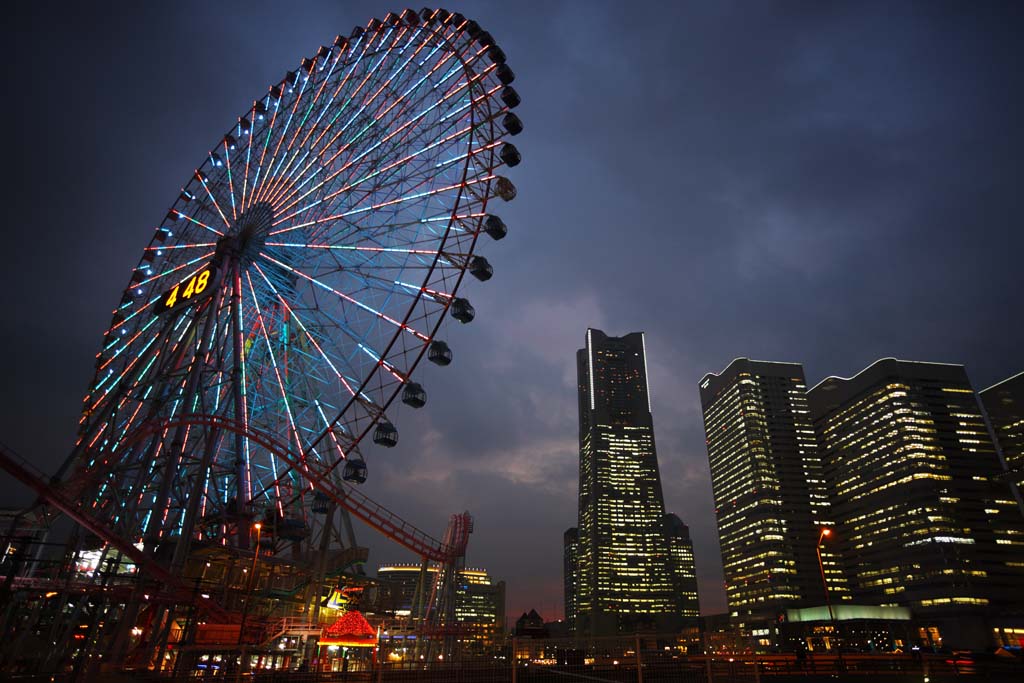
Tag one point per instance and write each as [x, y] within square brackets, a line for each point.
[820, 182]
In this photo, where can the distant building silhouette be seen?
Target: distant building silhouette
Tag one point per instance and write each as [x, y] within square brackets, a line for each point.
[531, 625]
[570, 567]
[769, 489]
[624, 578]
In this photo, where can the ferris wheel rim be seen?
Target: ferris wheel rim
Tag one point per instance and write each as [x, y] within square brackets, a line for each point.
[474, 171]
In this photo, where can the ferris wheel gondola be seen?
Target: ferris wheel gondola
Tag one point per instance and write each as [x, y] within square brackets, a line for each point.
[297, 280]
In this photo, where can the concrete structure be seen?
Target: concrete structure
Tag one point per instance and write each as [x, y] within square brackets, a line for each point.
[922, 516]
[624, 578]
[770, 498]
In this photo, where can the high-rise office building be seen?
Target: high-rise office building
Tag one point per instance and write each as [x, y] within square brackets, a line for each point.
[624, 569]
[1004, 404]
[479, 600]
[922, 515]
[570, 565]
[684, 571]
[770, 498]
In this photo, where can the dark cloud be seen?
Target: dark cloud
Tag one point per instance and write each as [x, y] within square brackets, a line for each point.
[822, 182]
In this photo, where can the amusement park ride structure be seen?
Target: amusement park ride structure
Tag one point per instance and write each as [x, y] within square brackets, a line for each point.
[279, 310]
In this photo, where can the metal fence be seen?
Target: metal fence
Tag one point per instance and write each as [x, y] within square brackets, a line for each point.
[587, 662]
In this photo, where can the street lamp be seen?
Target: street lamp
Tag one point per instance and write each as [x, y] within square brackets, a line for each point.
[243, 665]
[257, 526]
[828, 600]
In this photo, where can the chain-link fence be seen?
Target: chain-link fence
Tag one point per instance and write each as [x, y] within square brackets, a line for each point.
[634, 659]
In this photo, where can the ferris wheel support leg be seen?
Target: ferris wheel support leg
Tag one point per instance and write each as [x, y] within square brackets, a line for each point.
[165, 525]
[162, 529]
[312, 642]
[62, 629]
[184, 544]
[241, 471]
[346, 523]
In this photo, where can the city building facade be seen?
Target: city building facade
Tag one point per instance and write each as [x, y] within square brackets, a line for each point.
[570, 567]
[771, 503]
[479, 600]
[684, 571]
[624, 578]
[1004, 405]
[923, 517]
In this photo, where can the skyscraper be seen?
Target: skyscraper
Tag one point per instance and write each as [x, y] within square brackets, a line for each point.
[684, 571]
[1004, 404]
[570, 567]
[922, 516]
[624, 573]
[479, 600]
[770, 497]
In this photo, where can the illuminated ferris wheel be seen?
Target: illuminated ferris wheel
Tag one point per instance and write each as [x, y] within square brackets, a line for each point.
[298, 279]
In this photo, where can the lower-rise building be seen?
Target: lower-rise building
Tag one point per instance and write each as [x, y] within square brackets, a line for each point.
[680, 549]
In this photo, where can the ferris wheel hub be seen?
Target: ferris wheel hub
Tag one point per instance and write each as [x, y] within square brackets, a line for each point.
[248, 234]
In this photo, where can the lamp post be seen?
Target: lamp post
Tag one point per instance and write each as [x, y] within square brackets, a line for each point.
[824, 582]
[243, 666]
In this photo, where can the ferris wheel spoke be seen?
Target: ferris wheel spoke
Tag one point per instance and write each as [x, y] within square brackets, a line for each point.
[275, 173]
[305, 329]
[128, 342]
[345, 127]
[349, 299]
[375, 174]
[269, 132]
[276, 368]
[376, 207]
[357, 339]
[408, 125]
[196, 221]
[116, 380]
[312, 103]
[201, 177]
[186, 264]
[231, 182]
[354, 117]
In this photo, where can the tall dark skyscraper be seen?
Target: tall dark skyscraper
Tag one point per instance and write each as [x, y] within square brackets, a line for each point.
[625, 576]
[769, 489]
[923, 517]
[570, 568]
[684, 571]
[1004, 404]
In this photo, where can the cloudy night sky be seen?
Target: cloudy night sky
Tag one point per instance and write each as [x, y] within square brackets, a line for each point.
[827, 183]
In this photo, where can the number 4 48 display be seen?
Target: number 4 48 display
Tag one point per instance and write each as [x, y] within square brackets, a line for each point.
[188, 291]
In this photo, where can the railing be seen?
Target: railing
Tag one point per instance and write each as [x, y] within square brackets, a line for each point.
[647, 667]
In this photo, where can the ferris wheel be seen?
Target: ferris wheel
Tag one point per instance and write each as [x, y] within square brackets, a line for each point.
[302, 273]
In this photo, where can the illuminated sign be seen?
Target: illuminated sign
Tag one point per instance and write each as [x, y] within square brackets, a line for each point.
[195, 288]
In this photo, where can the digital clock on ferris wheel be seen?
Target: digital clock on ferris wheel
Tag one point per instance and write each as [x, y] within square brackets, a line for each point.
[194, 288]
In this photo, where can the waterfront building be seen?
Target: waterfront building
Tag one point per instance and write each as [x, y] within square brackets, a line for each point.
[624, 577]
[922, 515]
[683, 569]
[771, 501]
[1004, 405]
[570, 564]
